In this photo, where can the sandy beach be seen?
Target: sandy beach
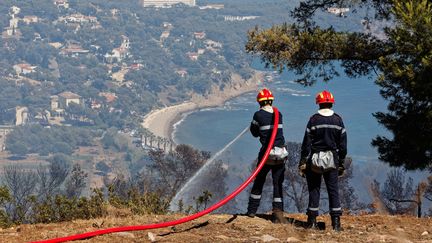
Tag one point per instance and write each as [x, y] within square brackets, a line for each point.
[160, 121]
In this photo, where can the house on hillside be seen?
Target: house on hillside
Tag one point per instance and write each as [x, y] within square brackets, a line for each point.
[212, 6]
[56, 45]
[66, 98]
[120, 53]
[136, 66]
[24, 68]
[199, 35]
[201, 51]
[239, 18]
[338, 11]
[165, 34]
[167, 25]
[56, 111]
[166, 3]
[181, 72]
[95, 105]
[109, 97]
[73, 50]
[78, 19]
[30, 19]
[4, 131]
[117, 55]
[61, 101]
[61, 3]
[210, 44]
[12, 30]
[193, 56]
[21, 115]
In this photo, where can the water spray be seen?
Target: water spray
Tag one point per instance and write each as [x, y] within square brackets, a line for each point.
[180, 194]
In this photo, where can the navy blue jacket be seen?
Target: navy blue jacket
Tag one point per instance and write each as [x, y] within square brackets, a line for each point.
[325, 133]
[262, 126]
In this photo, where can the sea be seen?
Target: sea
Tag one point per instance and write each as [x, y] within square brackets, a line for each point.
[356, 99]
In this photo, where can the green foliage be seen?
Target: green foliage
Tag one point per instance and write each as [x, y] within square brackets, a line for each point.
[112, 139]
[61, 208]
[202, 201]
[76, 182]
[102, 166]
[124, 194]
[147, 203]
[4, 198]
[37, 139]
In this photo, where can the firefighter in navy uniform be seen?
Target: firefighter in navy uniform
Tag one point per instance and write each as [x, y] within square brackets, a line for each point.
[325, 139]
[261, 126]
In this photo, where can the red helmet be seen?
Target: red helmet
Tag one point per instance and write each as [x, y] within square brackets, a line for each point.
[324, 97]
[264, 95]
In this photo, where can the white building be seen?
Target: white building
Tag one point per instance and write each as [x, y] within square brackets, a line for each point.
[12, 29]
[239, 18]
[338, 11]
[24, 68]
[61, 3]
[120, 53]
[166, 3]
[30, 19]
[21, 115]
[78, 19]
[212, 6]
[64, 99]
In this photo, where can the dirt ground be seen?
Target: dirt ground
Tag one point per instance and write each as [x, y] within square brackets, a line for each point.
[232, 228]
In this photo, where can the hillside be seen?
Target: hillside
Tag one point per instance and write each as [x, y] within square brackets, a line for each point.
[229, 228]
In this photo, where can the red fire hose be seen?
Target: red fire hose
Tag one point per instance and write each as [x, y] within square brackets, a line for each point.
[187, 218]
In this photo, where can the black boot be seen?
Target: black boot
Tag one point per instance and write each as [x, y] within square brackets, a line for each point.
[278, 217]
[250, 214]
[336, 224]
[252, 207]
[311, 222]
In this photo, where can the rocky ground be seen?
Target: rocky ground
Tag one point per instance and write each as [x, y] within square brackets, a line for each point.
[231, 228]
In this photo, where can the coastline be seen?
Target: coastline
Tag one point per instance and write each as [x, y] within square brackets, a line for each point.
[161, 121]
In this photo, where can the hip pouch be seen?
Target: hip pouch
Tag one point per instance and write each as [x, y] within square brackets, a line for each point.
[277, 155]
[322, 162]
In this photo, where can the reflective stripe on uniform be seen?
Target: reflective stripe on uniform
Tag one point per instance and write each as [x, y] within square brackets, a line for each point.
[277, 199]
[313, 209]
[254, 196]
[327, 126]
[268, 127]
[336, 209]
[307, 130]
[343, 130]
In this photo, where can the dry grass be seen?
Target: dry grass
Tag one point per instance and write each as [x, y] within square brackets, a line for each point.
[229, 228]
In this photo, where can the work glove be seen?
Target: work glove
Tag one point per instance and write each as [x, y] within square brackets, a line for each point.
[302, 167]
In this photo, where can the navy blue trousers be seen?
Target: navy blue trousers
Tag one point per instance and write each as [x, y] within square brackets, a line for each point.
[314, 186]
[278, 173]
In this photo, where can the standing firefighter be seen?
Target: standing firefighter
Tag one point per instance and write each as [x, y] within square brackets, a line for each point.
[261, 126]
[323, 152]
